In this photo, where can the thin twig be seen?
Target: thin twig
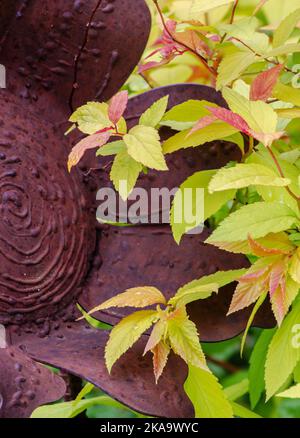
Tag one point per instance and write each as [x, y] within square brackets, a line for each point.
[271, 61]
[231, 19]
[274, 158]
[230, 368]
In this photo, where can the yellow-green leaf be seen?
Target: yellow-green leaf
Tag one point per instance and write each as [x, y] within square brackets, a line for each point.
[153, 115]
[285, 29]
[244, 175]
[256, 219]
[203, 287]
[287, 93]
[183, 140]
[183, 338]
[124, 173]
[112, 148]
[126, 333]
[186, 114]
[286, 49]
[134, 297]
[283, 354]
[158, 333]
[200, 6]
[232, 65]
[91, 117]
[143, 144]
[294, 269]
[191, 207]
[206, 394]
[293, 392]
[259, 115]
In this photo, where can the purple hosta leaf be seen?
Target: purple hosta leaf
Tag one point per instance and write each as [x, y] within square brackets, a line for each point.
[263, 84]
[117, 106]
[90, 142]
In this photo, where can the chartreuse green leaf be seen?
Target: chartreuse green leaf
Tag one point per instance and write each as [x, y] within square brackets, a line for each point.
[183, 140]
[232, 66]
[126, 333]
[283, 353]
[124, 173]
[280, 194]
[256, 219]
[204, 287]
[143, 145]
[285, 29]
[297, 373]
[257, 366]
[135, 297]
[93, 117]
[259, 115]
[153, 115]
[199, 6]
[254, 311]
[206, 394]
[184, 115]
[286, 93]
[286, 49]
[88, 387]
[245, 29]
[112, 148]
[242, 412]
[191, 207]
[245, 175]
[184, 339]
[293, 392]
[68, 410]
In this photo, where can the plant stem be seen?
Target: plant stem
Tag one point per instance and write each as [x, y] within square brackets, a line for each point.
[201, 58]
[258, 54]
[230, 368]
[236, 2]
[274, 158]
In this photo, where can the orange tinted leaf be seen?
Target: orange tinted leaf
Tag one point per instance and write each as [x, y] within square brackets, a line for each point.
[277, 275]
[117, 106]
[263, 84]
[156, 336]
[160, 357]
[90, 142]
[135, 297]
[283, 297]
[261, 251]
